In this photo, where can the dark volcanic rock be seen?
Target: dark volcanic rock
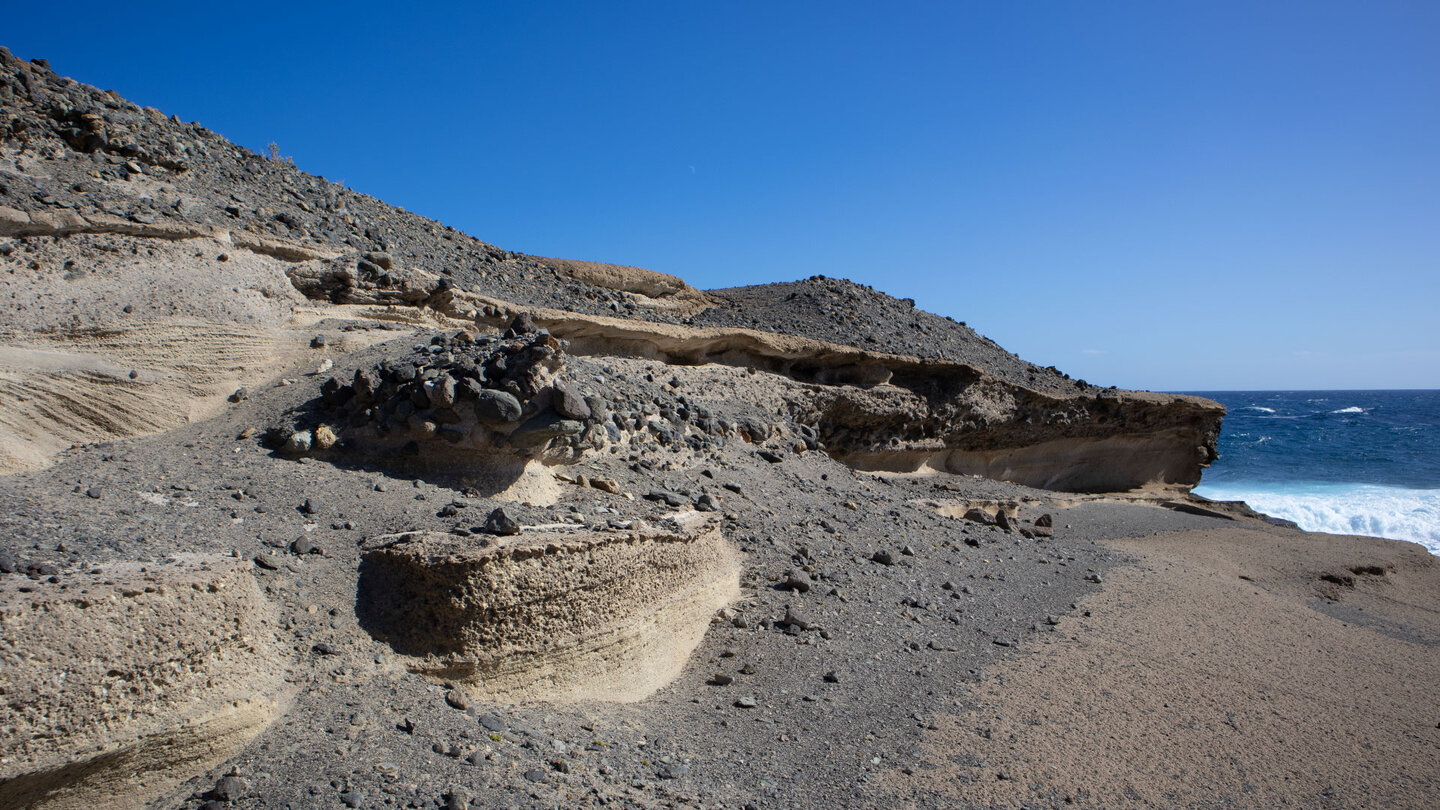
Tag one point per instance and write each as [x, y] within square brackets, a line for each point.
[499, 522]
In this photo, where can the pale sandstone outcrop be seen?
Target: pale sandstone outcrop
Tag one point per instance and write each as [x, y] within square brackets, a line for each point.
[69, 223]
[874, 410]
[660, 290]
[142, 334]
[548, 615]
[120, 684]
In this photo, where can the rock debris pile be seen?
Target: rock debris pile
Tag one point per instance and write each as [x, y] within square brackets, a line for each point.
[471, 393]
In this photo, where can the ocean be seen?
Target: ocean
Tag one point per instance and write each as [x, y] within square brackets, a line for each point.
[1344, 462]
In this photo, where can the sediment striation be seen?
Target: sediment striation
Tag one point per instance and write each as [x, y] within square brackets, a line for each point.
[561, 615]
[121, 681]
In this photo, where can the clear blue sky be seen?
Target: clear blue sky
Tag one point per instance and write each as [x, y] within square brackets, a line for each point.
[1164, 195]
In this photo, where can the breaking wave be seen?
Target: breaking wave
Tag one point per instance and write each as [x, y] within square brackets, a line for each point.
[1366, 509]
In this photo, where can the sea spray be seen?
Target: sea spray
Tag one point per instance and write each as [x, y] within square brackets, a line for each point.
[1399, 514]
[1343, 462]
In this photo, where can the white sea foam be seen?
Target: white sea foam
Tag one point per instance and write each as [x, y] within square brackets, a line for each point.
[1351, 409]
[1259, 408]
[1399, 514]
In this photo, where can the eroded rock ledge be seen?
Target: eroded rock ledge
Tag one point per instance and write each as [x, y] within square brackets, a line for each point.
[1102, 440]
[873, 410]
[879, 411]
[548, 615]
[121, 682]
[70, 223]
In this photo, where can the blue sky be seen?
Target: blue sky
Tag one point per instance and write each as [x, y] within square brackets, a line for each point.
[1163, 195]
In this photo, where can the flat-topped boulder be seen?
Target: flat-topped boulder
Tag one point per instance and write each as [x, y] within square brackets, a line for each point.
[548, 615]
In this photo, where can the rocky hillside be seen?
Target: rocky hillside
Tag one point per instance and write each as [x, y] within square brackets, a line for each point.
[361, 510]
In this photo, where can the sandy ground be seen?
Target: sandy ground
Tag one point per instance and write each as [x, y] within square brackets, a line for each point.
[1219, 670]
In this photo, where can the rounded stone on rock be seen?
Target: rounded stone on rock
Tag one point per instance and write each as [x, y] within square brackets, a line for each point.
[299, 442]
[228, 789]
[496, 407]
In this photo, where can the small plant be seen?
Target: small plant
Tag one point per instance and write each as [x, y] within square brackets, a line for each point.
[277, 157]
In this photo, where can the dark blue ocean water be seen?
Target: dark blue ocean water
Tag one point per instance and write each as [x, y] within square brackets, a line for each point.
[1347, 462]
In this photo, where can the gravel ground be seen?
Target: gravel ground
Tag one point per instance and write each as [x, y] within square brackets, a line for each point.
[904, 640]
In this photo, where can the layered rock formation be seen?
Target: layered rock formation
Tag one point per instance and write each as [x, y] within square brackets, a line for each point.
[121, 681]
[91, 163]
[166, 282]
[561, 615]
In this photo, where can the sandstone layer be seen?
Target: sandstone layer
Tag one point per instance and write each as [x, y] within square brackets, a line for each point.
[125, 680]
[607, 616]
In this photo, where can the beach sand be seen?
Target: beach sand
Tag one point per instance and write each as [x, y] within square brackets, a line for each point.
[1223, 668]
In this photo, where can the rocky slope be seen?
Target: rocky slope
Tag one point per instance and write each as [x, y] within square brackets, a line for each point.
[95, 172]
[315, 502]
